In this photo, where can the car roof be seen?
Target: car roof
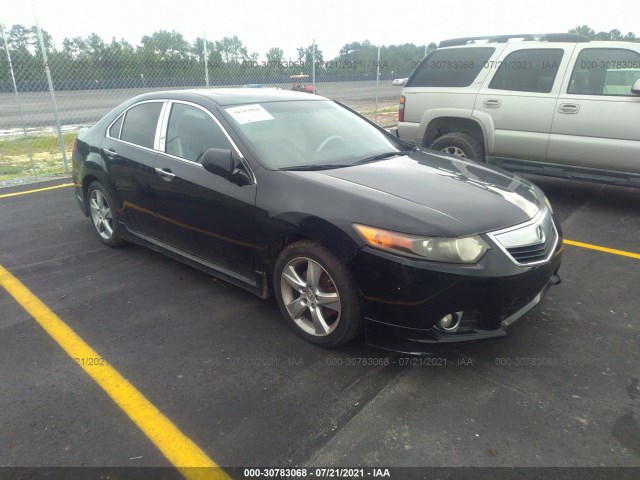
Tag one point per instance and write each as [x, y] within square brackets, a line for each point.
[534, 43]
[235, 96]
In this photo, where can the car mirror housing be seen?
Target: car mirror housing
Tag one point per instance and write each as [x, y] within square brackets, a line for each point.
[219, 161]
[635, 88]
[224, 163]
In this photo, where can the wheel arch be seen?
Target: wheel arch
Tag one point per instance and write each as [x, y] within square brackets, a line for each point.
[316, 229]
[87, 180]
[450, 124]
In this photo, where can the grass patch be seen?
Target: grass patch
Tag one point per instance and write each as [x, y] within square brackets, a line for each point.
[393, 109]
[387, 113]
[14, 155]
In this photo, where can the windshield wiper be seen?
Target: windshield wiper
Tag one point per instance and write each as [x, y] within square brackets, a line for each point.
[327, 166]
[382, 156]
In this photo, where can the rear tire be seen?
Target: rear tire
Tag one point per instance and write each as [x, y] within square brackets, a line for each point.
[317, 295]
[104, 215]
[460, 145]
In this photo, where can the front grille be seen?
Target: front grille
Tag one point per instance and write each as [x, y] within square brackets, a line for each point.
[534, 253]
[529, 243]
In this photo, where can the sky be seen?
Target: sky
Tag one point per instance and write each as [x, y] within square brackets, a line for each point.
[289, 24]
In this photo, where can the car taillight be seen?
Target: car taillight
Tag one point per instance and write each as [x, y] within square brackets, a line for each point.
[401, 109]
[75, 145]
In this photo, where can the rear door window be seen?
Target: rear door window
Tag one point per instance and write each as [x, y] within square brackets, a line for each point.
[528, 70]
[114, 131]
[456, 67]
[140, 124]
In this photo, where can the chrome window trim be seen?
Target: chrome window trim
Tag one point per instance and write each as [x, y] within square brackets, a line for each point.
[135, 145]
[160, 138]
[538, 219]
[183, 160]
[159, 145]
[114, 122]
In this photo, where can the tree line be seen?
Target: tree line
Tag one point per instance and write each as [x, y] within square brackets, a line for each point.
[612, 35]
[166, 58]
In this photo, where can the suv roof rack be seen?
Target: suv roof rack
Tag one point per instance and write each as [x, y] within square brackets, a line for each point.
[548, 37]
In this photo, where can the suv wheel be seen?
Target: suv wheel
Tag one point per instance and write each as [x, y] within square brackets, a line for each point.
[460, 145]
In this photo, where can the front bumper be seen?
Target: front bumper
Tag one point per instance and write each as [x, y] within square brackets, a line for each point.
[404, 299]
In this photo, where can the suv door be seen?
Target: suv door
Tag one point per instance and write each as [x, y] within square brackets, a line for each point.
[128, 148]
[518, 98]
[200, 213]
[597, 118]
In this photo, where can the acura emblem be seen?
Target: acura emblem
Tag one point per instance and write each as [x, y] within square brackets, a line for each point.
[540, 233]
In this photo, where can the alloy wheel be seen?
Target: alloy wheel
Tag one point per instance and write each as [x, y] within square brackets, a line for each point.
[101, 214]
[310, 296]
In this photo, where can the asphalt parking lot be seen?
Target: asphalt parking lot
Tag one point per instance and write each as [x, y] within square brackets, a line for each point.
[561, 390]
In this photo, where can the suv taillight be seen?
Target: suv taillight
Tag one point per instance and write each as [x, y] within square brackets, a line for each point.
[401, 109]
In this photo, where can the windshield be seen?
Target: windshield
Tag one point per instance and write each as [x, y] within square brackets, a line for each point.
[304, 134]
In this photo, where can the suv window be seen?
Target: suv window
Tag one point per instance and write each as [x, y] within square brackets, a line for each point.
[456, 67]
[140, 124]
[605, 71]
[528, 70]
[191, 132]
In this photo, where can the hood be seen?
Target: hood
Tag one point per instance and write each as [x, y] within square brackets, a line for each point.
[436, 194]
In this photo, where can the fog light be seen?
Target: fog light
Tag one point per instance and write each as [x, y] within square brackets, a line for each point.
[450, 322]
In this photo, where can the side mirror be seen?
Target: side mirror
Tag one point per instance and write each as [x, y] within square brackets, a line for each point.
[635, 88]
[219, 161]
[224, 163]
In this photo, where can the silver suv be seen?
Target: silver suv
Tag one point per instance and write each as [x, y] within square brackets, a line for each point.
[553, 104]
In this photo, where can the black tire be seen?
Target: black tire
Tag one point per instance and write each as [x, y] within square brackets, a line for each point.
[333, 303]
[103, 215]
[460, 145]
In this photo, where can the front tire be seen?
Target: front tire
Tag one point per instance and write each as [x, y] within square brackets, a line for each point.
[103, 215]
[317, 295]
[460, 145]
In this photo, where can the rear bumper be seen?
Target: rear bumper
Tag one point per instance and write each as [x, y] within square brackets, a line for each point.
[80, 198]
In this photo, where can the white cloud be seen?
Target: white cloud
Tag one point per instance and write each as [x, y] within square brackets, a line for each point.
[332, 23]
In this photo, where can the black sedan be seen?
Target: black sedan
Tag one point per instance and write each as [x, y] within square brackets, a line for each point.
[293, 194]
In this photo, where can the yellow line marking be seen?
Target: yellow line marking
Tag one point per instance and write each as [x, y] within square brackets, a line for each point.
[26, 192]
[602, 249]
[175, 445]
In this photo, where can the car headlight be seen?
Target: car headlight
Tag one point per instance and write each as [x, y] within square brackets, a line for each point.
[437, 249]
[548, 204]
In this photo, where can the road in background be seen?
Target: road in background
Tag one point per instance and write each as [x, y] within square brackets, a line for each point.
[83, 107]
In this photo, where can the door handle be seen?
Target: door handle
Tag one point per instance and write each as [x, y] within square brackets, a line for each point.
[166, 174]
[568, 108]
[111, 153]
[491, 103]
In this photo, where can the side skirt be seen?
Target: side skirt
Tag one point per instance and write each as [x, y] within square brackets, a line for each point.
[570, 172]
[201, 264]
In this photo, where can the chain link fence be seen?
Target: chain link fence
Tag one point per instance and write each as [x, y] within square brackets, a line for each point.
[47, 94]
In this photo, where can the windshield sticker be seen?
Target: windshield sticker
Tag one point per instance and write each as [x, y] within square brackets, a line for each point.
[249, 113]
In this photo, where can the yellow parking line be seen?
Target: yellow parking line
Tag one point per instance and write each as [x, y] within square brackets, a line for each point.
[175, 445]
[602, 249]
[26, 192]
